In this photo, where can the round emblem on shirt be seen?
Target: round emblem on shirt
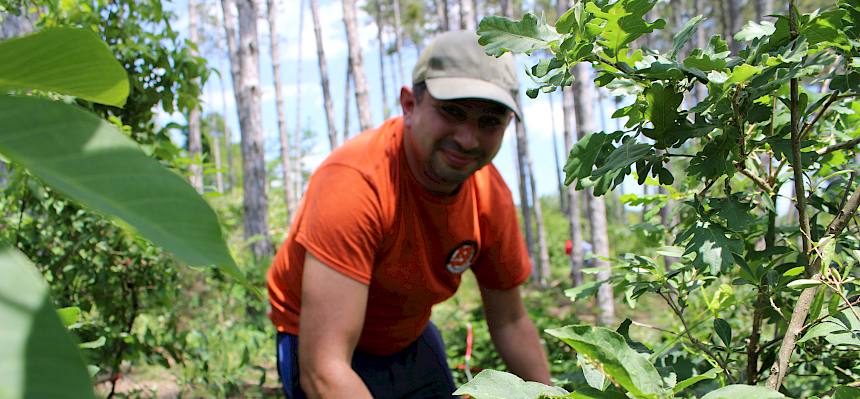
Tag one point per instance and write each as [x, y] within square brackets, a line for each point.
[462, 257]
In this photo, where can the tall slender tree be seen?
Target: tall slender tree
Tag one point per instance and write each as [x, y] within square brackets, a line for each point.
[398, 39]
[562, 199]
[255, 201]
[228, 136]
[298, 179]
[386, 111]
[283, 136]
[442, 15]
[195, 151]
[359, 79]
[543, 274]
[525, 207]
[346, 97]
[467, 15]
[584, 110]
[324, 81]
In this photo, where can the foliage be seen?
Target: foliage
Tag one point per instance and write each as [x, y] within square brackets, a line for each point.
[780, 111]
[91, 142]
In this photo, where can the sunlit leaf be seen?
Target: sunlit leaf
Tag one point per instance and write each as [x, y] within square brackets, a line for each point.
[684, 35]
[64, 60]
[754, 30]
[499, 35]
[492, 384]
[89, 160]
[624, 23]
[709, 375]
[743, 392]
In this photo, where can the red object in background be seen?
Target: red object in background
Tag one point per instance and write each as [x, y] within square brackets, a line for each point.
[568, 247]
[468, 342]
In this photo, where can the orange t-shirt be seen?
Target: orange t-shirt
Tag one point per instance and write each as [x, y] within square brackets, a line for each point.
[366, 216]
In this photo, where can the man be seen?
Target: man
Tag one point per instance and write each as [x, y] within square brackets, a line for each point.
[388, 223]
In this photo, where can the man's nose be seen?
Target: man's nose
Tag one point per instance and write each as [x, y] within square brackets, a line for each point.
[466, 135]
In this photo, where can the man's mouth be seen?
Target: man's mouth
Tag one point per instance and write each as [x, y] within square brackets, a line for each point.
[458, 159]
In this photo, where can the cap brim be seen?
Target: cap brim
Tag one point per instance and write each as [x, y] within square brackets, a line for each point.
[458, 88]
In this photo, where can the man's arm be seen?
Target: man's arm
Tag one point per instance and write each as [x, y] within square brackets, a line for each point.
[332, 315]
[514, 335]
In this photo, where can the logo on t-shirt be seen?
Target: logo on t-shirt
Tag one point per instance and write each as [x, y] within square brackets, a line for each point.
[462, 257]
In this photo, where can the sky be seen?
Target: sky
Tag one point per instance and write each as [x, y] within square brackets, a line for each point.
[542, 120]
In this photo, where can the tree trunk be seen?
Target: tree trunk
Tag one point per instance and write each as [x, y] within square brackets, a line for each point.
[467, 15]
[216, 153]
[298, 134]
[561, 197]
[522, 180]
[228, 136]
[346, 98]
[379, 26]
[286, 170]
[250, 121]
[329, 109]
[734, 24]
[573, 209]
[398, 43]
[442, 15]
[360, 81]
[228, 8]
[195, 152]
[583, 107]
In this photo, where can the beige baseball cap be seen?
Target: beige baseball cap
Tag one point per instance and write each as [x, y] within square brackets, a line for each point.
[455, 66]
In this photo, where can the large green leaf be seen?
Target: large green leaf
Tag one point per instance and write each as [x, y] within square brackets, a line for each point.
[38, 358]
[628, 368]
[624, 23]
[743, 392]
[753, 30]
[662, 110]
[622, 157]
[712, 245]
[840, 329]
[499, 35]
[492, 384]
[89, 160]
[64, 60]
[684, 35]
[583, 154]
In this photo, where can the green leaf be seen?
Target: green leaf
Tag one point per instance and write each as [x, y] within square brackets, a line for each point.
[622, 157]
[583, 154]
[68, 61]
[734, 211]
[492, 384]
[794, 271]
[742, 73]
[93, 344]
[684, 35]
[584, 290]
[840, 329]
[846, 392]
[662, 110]
[753, 30]
[591, 393]
[38, 357]
[92, 162]
[69, 316]
[743, 392]
[724, 331]
[712, 245]
[626, 367]
[624, 23]
[499, 35]
[802, 283]
[709, 375]
[594, 377]
[671, 251]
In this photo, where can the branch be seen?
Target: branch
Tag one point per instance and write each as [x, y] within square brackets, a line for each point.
[801, 308]
[808, 126]
[837, 147]
[757, 180]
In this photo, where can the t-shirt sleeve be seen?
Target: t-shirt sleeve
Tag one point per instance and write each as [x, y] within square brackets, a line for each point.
[341, 221]
[504, 262]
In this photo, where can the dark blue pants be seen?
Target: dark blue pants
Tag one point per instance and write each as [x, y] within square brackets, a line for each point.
[419, 371]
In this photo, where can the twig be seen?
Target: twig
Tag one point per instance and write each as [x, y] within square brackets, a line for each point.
[695, 341]
[757, 180]
[707, 187]
[837, 147]
[636, 323]
[808, 126]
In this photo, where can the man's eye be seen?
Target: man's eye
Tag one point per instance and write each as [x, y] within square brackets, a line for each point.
[453, 111]
[489, 122]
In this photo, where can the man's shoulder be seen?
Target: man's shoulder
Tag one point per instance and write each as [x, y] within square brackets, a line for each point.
[370, 153]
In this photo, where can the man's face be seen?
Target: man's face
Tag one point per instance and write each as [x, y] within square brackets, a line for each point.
[448, 140]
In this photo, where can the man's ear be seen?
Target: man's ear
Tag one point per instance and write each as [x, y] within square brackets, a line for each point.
[407, 104]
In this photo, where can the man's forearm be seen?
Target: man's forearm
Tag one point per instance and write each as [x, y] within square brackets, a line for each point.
[520, 347]
[333, 381]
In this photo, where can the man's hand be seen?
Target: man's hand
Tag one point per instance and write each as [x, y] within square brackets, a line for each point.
[514, 335]
[332, 315]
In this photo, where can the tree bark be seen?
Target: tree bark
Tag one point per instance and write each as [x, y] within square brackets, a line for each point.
[250, 121]
[228, 8]
[283, 136]
[583, 108]
[195, 149]
[346, 98]
[467, 15]
[522, 180]
[298, 183]
[324, 82]
[361, 98]
[398, 42]
[574, 214]
[379, 27]
[216, 153]
[442, 15]
[561, 196]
